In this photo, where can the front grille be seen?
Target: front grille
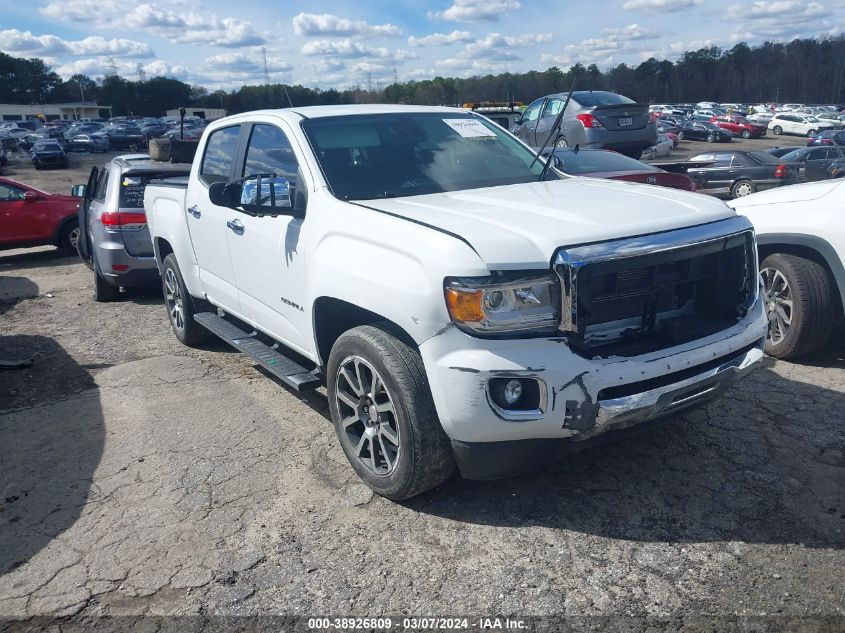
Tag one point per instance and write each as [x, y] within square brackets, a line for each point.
[643, 294]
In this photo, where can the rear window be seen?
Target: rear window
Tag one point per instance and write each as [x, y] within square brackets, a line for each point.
[592, 161]
[590, 99]
[765, 157]
[132, 187]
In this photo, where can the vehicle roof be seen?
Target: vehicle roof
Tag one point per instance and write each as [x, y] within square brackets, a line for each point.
[315, 112]
[144, 162]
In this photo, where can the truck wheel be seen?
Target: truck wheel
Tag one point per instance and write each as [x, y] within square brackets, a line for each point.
[180, 305]
[384, 415]
[799, 305]
[103, 290]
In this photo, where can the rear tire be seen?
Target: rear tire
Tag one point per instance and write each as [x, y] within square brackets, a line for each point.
[742, 188]
[711, 138]
[180, 305]
[799, 303]
[103, 290]
[69, 237]
[405, 415]
[812, 133]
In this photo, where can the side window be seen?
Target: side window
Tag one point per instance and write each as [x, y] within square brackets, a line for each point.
[102, 184]
[533, 111]
[817, 154]
[9, 193]
[219, 155]
[723, 160]
[552, 108]
[270, 152]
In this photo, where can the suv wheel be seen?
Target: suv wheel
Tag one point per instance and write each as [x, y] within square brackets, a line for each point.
[799, 305]
[69, 237]
[180, 305]
[778, 130]
[103, 290]
[746, 134]
[384, 415]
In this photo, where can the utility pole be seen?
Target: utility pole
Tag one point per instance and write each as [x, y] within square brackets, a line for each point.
[266, 68]
[111, 67]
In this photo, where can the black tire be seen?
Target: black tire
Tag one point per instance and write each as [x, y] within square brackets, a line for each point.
[188, 331]
[811, 133]
[69, 236]
[742, 188]
[746, 134]
[681, 135]
[103, 290]
[812, 306]
[425, 458]
[711, 138]
[778, 130]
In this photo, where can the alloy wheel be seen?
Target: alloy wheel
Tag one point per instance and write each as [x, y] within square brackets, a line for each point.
[743, 189]
[368, 416]
[73, 238]
[173, 297]
[778, 297]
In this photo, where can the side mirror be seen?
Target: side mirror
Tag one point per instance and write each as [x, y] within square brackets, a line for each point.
[265, 191]
[30, 196]
[78, 191]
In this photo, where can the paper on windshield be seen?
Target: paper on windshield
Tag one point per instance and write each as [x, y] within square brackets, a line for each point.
[470, 128]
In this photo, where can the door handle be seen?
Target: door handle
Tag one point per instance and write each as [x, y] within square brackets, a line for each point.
[237, 226]
[194, 211]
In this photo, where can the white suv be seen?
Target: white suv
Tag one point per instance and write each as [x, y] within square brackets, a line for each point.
[797, 123]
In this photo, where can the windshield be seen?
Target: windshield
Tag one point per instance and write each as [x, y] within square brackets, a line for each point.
[599, 160]
[408, 154]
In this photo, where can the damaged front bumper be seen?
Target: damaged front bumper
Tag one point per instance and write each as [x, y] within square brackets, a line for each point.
[584, 398]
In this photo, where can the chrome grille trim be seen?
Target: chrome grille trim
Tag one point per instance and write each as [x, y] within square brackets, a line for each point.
[569, 261]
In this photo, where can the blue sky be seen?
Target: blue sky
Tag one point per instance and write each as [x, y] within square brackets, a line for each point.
[334, 44]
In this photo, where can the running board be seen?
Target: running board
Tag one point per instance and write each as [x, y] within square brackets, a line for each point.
[288, 371]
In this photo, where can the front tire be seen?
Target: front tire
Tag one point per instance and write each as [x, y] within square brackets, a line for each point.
[180, 305]
[778, 130]
[384, 415]
[746, 134]
[711, 138]
[799, 305]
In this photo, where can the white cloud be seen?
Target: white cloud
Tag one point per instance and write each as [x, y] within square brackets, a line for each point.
[495, 46]
[311, 25]
[241, 62]
[630, 33]
[781, 20]
[25, 43]
[662, 6]
[475, 10]
[441, 39]
[342, 48]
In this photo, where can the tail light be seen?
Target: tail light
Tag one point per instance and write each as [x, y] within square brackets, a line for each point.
[780, 171]
[588, 120]
[121, 220]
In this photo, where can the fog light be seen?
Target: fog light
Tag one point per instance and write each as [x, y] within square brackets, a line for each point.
[512, 391]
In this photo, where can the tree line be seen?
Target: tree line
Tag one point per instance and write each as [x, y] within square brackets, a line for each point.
[803, 70]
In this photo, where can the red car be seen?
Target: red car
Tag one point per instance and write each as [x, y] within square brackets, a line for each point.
[602, 163]
[739, 125]
[31, 217]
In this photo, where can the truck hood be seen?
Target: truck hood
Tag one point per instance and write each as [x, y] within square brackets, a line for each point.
[521, 226]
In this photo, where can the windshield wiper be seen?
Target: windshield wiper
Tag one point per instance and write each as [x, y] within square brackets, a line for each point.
[555, 131]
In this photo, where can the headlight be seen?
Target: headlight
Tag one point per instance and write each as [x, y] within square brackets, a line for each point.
[491, 305]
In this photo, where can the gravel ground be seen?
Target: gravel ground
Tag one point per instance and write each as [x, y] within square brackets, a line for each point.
[141, 478]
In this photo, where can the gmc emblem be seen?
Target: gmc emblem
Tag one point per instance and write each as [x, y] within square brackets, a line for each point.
[651, 180]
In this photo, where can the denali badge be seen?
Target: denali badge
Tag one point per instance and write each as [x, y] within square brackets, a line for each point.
[651, 180]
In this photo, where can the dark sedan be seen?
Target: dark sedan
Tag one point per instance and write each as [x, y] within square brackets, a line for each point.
[818, 163]
[126, 137]
[600, 163]
[703, 131]
[48, 154]
[736, 174]
[828, 137]
[88, 143]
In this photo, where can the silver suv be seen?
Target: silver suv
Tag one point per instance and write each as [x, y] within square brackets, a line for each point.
[115, 241]
[593, 119]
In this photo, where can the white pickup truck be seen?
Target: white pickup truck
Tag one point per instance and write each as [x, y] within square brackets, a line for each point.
[463, 306]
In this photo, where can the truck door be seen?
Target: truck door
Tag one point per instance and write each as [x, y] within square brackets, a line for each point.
[207, 222]
[268, 252]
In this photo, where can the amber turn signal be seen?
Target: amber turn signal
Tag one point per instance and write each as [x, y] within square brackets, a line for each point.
[465, 305]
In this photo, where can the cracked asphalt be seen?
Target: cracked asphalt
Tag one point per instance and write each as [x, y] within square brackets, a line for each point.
[140, 478]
